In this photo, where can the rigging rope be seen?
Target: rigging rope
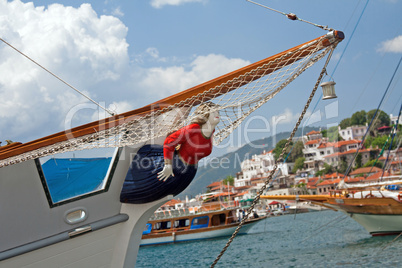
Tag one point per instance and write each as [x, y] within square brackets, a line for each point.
[390, 243]
[262, 189]
[292, 16]
[81, 93]
[340, 58]
[390, 145]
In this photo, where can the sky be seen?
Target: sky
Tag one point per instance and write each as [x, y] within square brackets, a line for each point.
[127, 54]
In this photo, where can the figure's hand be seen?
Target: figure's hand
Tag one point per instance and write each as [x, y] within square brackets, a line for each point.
[166, 172]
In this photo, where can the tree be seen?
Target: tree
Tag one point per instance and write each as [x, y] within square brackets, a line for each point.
[379, 142]
[381, 116]
[333, 134]
[324, 133]
[299, 164]
[359, 118]
[229, 179]
[371, 163]
[345, 123]
[297, 151]
[328, 169]
[381, 119]
[279, 148]
[358, 160]
[343, 165]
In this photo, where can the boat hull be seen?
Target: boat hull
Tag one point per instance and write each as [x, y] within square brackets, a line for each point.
[198, 234]
[378, 225]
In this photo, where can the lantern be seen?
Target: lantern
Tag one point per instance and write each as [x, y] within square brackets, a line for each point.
[328, 90]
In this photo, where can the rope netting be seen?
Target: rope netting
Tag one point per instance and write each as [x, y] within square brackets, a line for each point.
[235, 99]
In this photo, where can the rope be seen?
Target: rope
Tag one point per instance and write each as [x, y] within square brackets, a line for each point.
[390, 145]
[87, 97]
[257, 198]
[292, 16]
[390, 243]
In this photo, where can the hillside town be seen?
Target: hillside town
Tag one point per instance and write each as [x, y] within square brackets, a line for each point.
[316, 169]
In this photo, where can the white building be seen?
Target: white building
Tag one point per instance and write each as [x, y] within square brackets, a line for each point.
[255, 171]
[352, 133]
[394, 118]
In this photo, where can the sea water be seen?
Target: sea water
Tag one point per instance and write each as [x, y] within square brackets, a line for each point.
[315, 239]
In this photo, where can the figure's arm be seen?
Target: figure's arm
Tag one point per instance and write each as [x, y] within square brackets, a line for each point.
[168, 151]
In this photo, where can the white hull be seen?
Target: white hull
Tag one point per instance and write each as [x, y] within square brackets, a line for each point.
[379, 224]
[207, 233]
[36, 235]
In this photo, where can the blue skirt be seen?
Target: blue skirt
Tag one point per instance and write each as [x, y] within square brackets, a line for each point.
[142, 185]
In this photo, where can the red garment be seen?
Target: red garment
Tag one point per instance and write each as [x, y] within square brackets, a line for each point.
[193, 144]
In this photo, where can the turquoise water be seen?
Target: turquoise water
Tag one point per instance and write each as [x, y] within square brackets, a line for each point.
[319, 239]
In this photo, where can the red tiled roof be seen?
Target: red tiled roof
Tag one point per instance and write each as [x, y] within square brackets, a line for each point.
[364, 170]
[377, 175]
[353, 151]
[241, 194]
[341, 143]
[312, 142]
[171, 203]
[329, 182]
[214, 184]
[333, 175]
[325, 145]
[222, 194]
[312, 180]
[313, 132]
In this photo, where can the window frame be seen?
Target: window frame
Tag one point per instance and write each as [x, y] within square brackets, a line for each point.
[115, 160]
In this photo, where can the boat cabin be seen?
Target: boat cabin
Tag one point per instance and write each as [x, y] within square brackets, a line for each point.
[190, 222]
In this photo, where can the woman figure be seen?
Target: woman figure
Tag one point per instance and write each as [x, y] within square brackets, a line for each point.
[158, 171]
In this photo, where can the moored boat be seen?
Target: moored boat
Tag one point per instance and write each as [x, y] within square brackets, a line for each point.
[377, 209]
[210, 224]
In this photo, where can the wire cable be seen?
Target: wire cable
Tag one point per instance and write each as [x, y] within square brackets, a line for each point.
[87, 97]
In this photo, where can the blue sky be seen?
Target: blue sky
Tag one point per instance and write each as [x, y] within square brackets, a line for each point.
[127, 54]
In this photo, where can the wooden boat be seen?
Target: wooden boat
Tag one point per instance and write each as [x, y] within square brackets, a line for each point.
[90, 227]
[379, 211]
[212, 224]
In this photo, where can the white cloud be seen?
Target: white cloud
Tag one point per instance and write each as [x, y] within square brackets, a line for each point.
[84, 49]
[393, 45]
[285, 118]
[117, 12]
[161, 3]
[91, 53]
[162, 82]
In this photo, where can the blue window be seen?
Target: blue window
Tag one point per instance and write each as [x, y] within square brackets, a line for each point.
[68, 179]
[200, 222]
[147, 229]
